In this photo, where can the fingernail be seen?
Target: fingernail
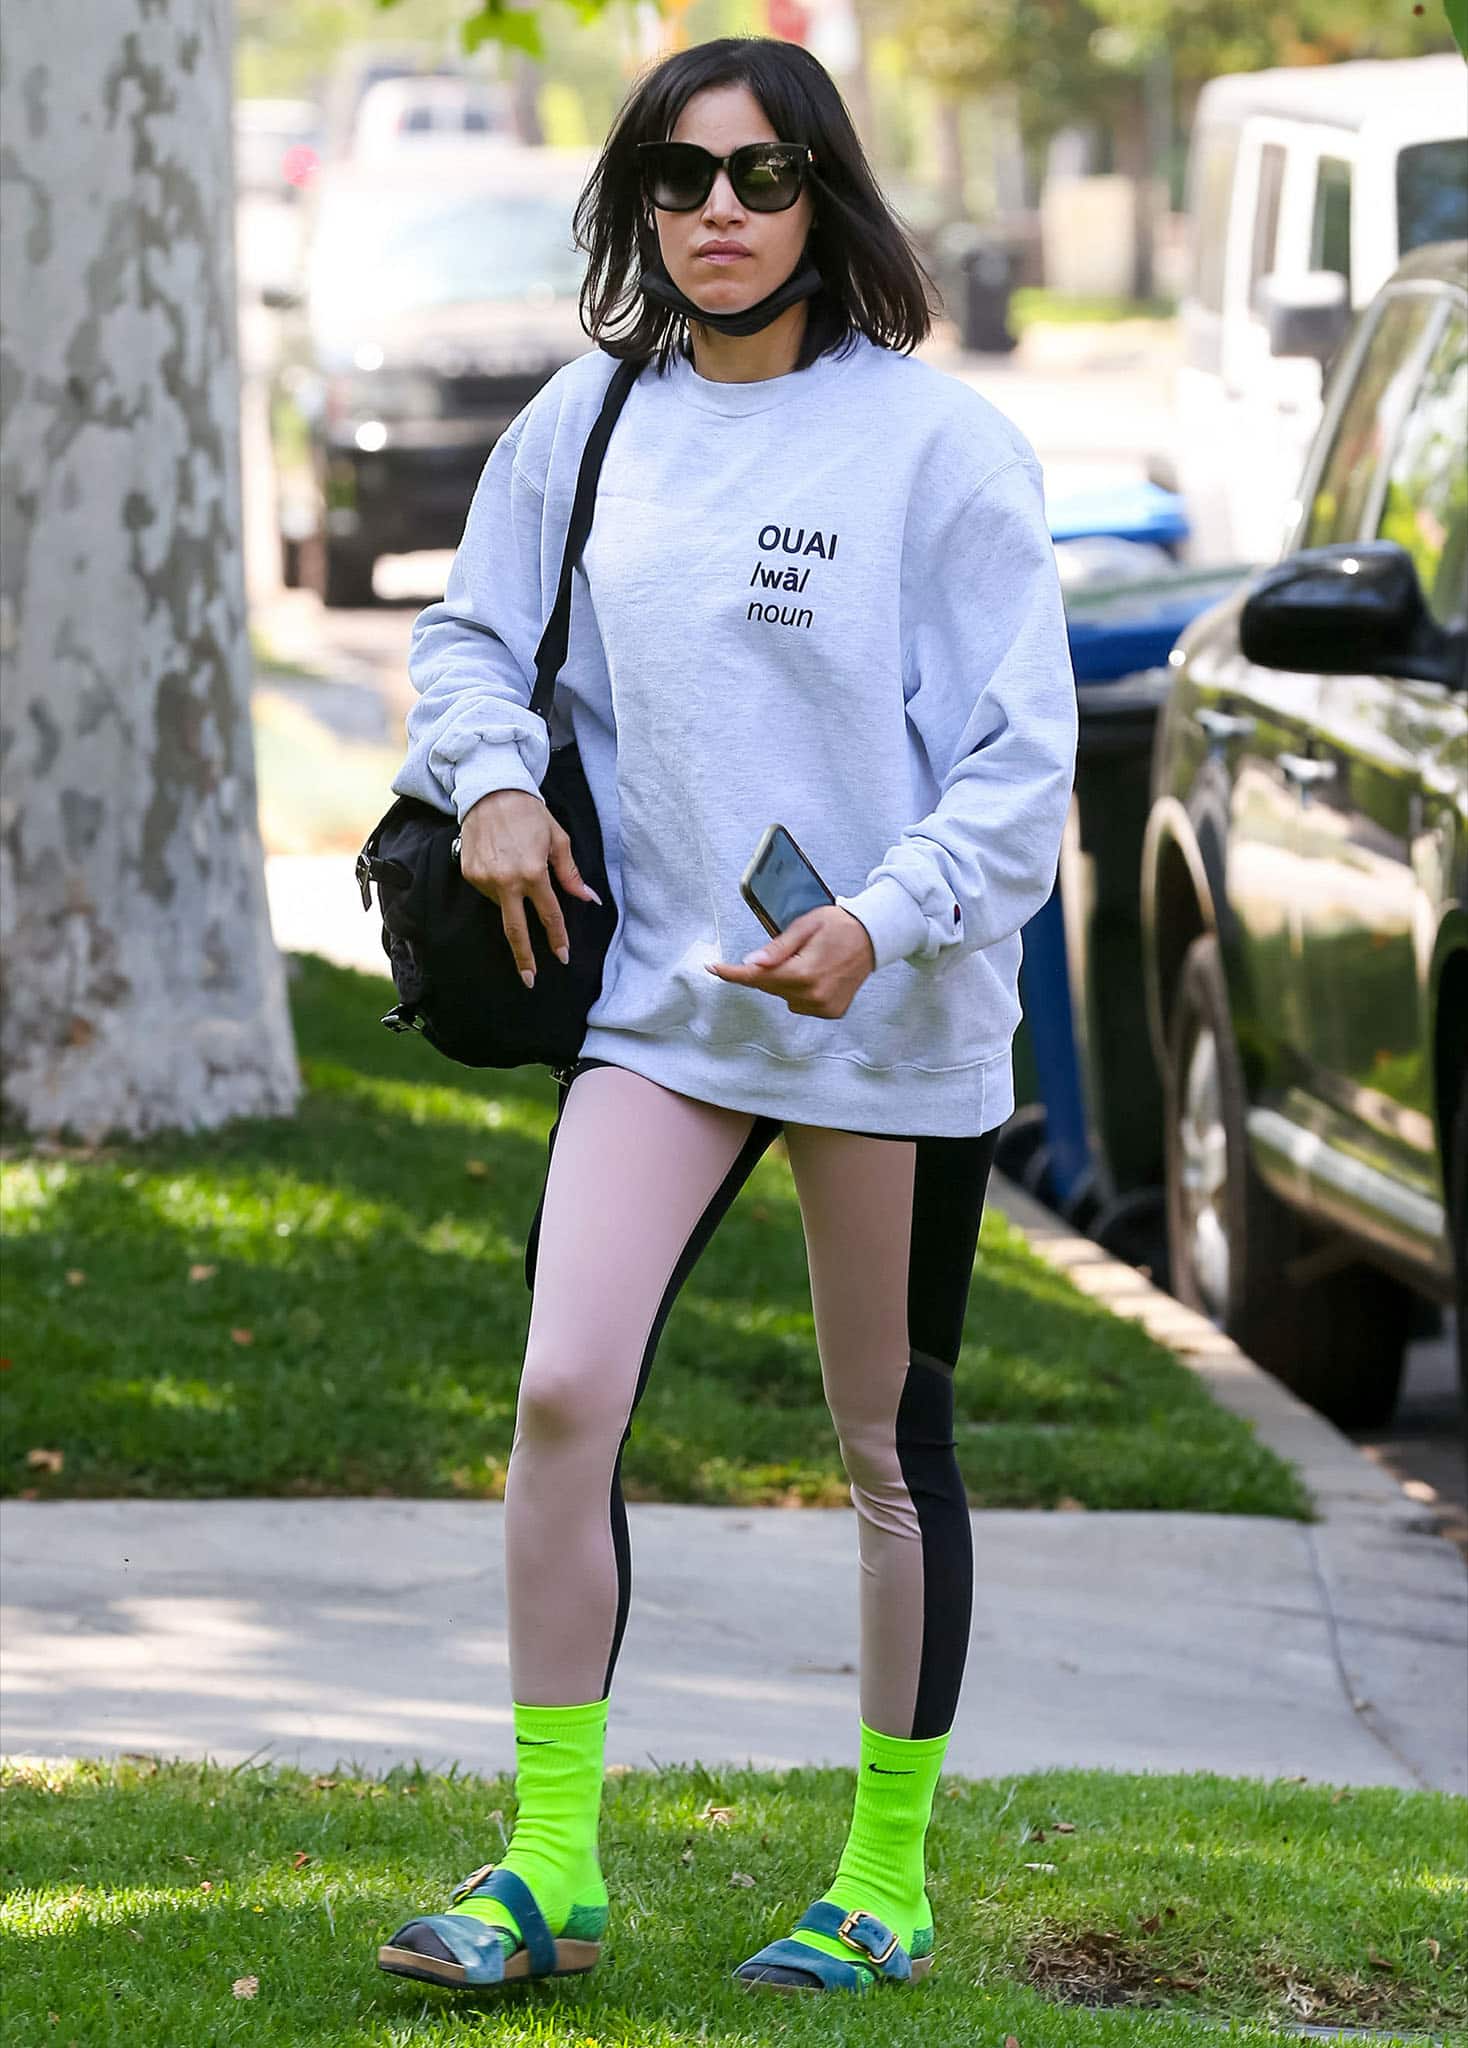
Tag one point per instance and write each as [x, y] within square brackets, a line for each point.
[759, 959]
[592, 893]
[527, 975]
[709, 967]
[563, 954]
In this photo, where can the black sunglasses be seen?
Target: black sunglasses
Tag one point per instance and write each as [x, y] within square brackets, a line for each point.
[766, 176]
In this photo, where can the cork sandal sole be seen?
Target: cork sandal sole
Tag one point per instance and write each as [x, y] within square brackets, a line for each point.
[573, 1959]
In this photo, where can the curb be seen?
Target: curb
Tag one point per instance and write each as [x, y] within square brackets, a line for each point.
[1339, 1476]
[1392, 1587]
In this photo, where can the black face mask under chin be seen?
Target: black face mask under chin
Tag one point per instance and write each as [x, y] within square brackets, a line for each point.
[656, 284]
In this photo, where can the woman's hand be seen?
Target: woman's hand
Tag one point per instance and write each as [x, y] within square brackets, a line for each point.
[509, 841]
[817, 963]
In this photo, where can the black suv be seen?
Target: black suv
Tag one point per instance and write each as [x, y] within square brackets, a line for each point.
[440, 291]
[1305, 886]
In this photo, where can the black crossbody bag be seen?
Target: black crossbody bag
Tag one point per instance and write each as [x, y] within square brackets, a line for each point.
[451, 963]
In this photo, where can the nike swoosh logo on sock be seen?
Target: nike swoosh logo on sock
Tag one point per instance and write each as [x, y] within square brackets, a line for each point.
[881, 1773]
[534, 1742]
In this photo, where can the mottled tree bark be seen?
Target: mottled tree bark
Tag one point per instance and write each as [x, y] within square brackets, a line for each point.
[142, 989]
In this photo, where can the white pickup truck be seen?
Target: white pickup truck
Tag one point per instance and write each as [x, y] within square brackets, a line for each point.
[1306, 188]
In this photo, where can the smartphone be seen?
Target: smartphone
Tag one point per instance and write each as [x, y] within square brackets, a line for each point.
[780, 884]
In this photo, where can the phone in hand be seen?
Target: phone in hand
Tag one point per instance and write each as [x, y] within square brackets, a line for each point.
[780, 884]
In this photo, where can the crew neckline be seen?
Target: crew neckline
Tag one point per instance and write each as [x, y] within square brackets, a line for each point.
[710, 394]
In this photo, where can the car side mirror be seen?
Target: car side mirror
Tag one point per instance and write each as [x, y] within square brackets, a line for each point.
[1354, 608]
[1306, 315]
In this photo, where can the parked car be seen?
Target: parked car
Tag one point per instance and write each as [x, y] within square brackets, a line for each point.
[1305, 886]
[417, 113]
[359, 66]
[1306, 187]
[277, 147]
[439, 295]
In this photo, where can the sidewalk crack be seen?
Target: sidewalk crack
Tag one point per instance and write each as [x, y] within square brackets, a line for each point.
[1362, 1709]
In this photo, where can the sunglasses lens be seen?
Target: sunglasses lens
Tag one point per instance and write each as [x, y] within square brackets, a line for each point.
[768, 181]
[677, 178]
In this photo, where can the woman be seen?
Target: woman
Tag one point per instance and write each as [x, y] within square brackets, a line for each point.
[819, 590]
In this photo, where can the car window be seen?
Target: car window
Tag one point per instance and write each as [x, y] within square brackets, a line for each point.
[1330, 224]
[1209, 206]
[1432, 193]
[1266, 213]
[1426, 504]
[377, 253]
[1367, 425]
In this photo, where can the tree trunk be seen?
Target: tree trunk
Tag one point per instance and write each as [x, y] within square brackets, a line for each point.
[1132, 144]
[143, 990]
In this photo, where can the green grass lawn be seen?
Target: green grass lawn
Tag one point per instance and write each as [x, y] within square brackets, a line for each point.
[185, 1904]
[335, 1303]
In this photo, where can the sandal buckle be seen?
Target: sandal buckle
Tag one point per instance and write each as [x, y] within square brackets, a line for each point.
[469, 1884]
[843, 1933]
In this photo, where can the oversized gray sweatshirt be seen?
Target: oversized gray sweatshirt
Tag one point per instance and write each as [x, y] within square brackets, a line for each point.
[826, 599]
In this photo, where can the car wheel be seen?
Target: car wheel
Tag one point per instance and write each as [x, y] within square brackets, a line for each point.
[342, 574]
[1338, 1341]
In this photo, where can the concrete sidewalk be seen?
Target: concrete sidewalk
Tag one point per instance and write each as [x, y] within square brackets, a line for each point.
[373, 1632]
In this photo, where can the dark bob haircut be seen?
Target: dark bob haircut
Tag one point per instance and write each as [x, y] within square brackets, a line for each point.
[871, 279]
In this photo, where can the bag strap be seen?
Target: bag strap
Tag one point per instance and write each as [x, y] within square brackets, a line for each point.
[550, 655]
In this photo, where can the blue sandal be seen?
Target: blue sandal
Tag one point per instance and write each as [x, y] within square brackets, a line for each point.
[788, 1965]
[459, 1950]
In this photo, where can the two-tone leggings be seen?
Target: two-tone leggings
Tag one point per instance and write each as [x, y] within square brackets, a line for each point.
[637, 1179]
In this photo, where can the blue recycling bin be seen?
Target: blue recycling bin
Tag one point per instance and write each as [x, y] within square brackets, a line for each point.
[1081, 975]
[1138, 511]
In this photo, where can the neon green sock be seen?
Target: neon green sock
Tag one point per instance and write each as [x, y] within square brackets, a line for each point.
[560, 1755]
[881, 1869]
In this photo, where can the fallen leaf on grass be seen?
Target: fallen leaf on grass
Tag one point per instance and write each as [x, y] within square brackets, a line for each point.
[299, 1860]
[1040, 1866]
[1154, 1920]
[741, 1877]
[1069, 1505]
[324, 1784]
[245, 1987]
[243, 1336]
[202, 1272]
[1064, 1827]
[1011, 2041]
[75, 1277]
[42, 1460]
[1434, 1947]
[1378, 1962]
[717, 1816]
[476, 1169]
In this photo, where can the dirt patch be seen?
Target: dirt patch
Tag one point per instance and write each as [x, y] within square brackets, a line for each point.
[1104, 1966]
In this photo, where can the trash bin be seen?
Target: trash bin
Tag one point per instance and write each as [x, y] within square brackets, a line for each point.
[987, 270]
[1138, 512]
[1119, 642]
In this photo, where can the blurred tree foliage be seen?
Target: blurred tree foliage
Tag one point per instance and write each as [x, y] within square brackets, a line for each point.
[1082, 61]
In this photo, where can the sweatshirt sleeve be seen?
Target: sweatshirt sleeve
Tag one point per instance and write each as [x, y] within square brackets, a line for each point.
[995, 707]
[471, 656]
